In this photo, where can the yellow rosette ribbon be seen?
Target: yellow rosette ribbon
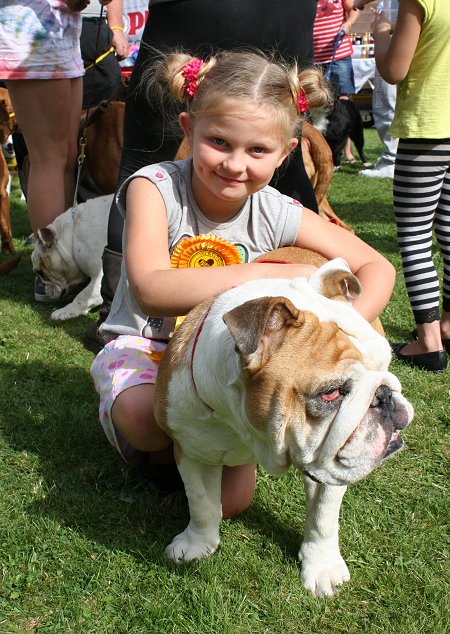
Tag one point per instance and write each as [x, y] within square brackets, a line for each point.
[201, 251]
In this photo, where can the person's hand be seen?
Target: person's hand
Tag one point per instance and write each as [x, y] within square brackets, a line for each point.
[360, 4]
[77, 5]
[120, 43]
[380, 23]
[346, 27]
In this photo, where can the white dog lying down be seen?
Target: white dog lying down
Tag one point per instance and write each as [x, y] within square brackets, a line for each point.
[69, 252]
[275, 372]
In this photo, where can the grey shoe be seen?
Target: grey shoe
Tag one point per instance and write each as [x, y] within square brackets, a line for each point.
[39, 290]
[41, 296]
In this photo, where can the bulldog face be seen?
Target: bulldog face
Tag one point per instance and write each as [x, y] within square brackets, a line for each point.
[307, 386]
[54, 264]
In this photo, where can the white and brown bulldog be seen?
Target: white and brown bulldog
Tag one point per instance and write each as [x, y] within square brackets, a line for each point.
[69, 252]
[283, 373]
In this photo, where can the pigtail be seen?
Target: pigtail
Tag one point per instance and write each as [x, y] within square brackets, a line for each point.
[310, 89]
[185, 75]
[176, 75]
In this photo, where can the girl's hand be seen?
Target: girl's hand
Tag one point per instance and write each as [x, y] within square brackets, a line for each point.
[375, 273]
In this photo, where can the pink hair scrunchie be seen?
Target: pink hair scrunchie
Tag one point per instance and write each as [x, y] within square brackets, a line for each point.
[190, 74]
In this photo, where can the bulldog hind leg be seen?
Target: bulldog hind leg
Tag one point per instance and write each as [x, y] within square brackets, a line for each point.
[323, 567]
[203, 490]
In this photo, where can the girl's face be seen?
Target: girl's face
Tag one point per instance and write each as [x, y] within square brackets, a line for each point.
[234, 155]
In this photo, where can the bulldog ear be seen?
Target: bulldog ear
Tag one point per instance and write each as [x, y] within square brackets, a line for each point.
[46, 236]
[259, 327]
[335, 281]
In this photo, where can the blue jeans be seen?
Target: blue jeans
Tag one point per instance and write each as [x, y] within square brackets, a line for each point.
[341, 77]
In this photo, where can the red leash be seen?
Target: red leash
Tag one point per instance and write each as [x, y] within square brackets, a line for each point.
[275, 261]
[197, 335]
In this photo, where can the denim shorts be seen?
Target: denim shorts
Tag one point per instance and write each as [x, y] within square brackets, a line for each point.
[342, 76]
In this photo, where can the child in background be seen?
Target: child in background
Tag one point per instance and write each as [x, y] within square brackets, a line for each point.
[242, 115]
[417, 58]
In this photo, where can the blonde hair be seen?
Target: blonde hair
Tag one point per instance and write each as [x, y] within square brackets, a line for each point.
[240, 77]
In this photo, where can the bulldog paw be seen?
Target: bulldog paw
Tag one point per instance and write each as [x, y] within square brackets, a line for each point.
[66, 312]
[188, 546]
[322, 576]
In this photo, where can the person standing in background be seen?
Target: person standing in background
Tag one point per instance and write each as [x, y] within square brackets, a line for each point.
[41, 65]
[115, 22]
[333, 48]
[383, 108]
[417, 59]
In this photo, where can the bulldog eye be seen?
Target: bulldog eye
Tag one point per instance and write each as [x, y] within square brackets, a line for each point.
[331, 395]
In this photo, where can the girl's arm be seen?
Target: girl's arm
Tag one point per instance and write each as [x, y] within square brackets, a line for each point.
[393, 55]
[375, 273]
[161, 291]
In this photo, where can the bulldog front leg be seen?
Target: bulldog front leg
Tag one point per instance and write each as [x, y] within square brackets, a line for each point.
[90, 297]
[322, 565]
[203, 490]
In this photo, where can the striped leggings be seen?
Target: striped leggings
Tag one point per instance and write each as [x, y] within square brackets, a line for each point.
[421, 204]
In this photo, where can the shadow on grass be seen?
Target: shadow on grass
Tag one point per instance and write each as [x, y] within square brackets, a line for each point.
[87, 487]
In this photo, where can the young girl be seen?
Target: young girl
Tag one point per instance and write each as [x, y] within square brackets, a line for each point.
[417, 58]
[242, 114]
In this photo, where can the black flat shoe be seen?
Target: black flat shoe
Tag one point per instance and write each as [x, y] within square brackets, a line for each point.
[445, 342]
[431, 361]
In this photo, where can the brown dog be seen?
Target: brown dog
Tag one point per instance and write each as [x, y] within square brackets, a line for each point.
[318, 161]
[104, 134]
[8, 124]
[297, 255]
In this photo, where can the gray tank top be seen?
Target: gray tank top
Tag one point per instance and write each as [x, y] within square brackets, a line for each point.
[267, 220]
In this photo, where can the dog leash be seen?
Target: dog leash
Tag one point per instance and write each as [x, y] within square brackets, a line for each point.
[337, 42]
[194, 346]
[83, 140]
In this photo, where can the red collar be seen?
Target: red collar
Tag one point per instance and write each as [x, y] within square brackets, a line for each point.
[197, 335]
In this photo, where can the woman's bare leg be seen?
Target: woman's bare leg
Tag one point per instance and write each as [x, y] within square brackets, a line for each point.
[48, 113]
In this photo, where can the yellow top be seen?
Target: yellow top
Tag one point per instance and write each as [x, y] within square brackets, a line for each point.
[423, 97]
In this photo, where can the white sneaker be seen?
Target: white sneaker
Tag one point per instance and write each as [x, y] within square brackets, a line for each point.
[384, 170]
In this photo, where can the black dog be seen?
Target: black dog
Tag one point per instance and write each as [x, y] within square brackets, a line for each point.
[338, 123]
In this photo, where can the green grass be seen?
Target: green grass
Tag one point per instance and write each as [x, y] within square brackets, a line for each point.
[81, 544]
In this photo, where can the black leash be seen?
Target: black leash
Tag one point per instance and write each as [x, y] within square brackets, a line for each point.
[83, 141]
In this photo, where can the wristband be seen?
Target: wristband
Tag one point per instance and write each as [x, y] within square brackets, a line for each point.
[116, 28]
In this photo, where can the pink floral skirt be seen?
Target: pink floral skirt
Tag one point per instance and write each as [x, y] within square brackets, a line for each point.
[123, 363]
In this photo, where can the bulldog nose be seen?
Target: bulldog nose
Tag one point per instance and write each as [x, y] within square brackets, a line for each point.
[383, 399]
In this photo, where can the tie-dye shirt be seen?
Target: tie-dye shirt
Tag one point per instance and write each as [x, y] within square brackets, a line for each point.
[39, 39]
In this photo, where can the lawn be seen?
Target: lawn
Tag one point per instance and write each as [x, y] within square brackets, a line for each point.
[82, 542]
